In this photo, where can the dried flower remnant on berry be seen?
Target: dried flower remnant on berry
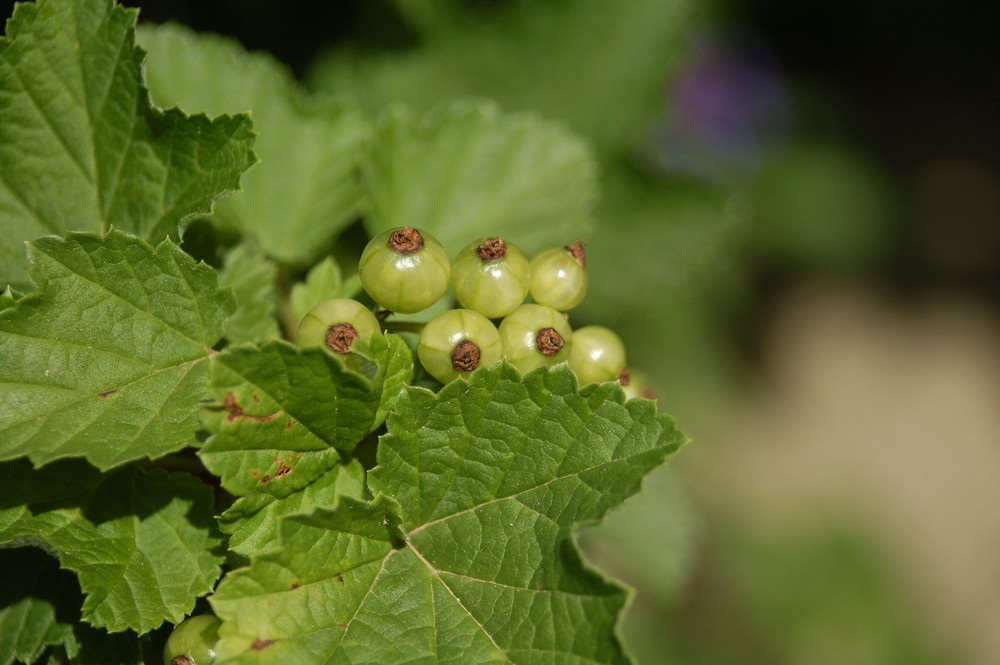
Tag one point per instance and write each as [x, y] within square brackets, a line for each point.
[624, 377]
[181, 660]
[406, 240]
[465, 356]
[340, 337]
[492, 249]
[549, 342]
[579, 252]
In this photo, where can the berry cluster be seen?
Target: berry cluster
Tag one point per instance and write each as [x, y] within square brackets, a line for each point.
[406, 270]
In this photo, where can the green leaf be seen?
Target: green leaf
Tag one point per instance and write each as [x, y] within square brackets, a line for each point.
[323, 282]
[252, 278]
[252, 521]
[107, 359]
[466, 555]
[9, 296]
[467, 171]
[40, 607]
[80, 146]
[35, 597]
[281, 413]
[601, 68]
[143, 544]
[305, 190]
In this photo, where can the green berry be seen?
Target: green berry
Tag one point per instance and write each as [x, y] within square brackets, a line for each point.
[335, 324]
[558, 278]
[458, 342]
[404, 270]
[535, 335]
[192, 642]
[636, 384]
[491, 276]
[598, 355]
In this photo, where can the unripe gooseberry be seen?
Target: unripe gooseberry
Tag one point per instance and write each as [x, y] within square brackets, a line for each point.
[457, 343]
[598, 355]
[491, 276]
[192, 642]
[335, 324]
[535, 336]
[558, 278]
[404, 270]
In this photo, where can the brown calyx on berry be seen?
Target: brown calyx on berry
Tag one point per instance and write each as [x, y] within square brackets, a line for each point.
[340, 336]
[578, 252]
[549, 342]
[406, 240]
[492, 249]
[181, 660]
[624, 377]
[465, 356]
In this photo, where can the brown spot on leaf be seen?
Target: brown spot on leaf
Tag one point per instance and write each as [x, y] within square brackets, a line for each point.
[295, 585]
[107, 392]
[283, 469]
[236, 411]
[339, 578]
[254, 473]
[256, 397]
[288, 425]
[259, 644]
[265, 479]
[342, 625]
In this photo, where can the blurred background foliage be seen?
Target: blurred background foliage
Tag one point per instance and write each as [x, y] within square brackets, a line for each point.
[798, 238]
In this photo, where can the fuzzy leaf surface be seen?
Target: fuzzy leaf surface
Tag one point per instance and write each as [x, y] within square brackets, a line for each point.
[466, 554]
[467, 171]
[305, 190]
[144, 545]
[282, 413]
[80, 146]
[107, 359]
[251, 276]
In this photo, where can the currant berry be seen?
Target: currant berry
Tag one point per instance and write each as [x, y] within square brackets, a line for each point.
[598, 355]
[458, 342]
[491, 276]
[335, 324]
[636, 384]
[558, 278]
[404, 270]
[192, 642]
[535, 335]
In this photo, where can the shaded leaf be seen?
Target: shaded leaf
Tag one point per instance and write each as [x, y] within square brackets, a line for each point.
[305, 190]
[467, 171]
[252, 277]
[144, 545]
